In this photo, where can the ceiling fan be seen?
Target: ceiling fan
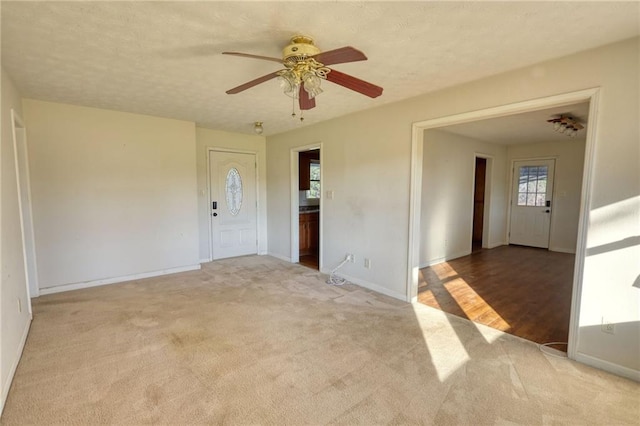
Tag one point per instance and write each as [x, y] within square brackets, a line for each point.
[305, 67]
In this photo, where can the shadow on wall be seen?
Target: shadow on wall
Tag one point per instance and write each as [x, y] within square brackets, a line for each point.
[616, 245]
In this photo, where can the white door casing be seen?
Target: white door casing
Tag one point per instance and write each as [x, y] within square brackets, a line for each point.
[232, 189]
[21, 158]
[531, 202]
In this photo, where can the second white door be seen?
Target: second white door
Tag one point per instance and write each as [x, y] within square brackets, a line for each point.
[531, 203]
[233, 208]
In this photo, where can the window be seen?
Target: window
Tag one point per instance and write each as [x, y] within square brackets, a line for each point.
[314, 180]
[532, 186]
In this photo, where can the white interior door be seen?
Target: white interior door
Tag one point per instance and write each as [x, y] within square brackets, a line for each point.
[233, 204]
[531, 203]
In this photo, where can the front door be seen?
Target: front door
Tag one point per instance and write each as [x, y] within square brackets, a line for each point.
[531, 203]
[233, 204]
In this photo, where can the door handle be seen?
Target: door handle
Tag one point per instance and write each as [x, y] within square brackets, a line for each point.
[214, 214]
[546, 211]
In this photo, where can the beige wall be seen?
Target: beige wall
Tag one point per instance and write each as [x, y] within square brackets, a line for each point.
[367, 163]
[206, 139]
[569, 156]
[447, 195]
[13, 285]
[114, 194]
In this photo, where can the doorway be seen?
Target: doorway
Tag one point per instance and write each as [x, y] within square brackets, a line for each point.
[531, 200]
[21, 158]
[590, 99]
[233, 204]
[479, 186]
[306, 205]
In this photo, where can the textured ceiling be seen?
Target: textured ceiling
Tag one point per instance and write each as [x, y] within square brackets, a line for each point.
[163, 58]
[529, 127]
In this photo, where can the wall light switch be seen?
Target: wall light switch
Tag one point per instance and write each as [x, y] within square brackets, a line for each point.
[330, 194]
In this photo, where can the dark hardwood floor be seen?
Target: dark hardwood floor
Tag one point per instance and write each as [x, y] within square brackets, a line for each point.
[520, 290]
[310, 261]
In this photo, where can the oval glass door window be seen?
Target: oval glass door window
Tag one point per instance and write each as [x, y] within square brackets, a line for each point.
[233, 189]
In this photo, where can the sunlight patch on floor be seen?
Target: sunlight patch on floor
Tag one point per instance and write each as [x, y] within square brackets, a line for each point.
[479, 304]
[447, 354]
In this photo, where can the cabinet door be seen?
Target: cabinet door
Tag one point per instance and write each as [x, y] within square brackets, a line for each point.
[303, 232]
[304, 160]
[314, 232]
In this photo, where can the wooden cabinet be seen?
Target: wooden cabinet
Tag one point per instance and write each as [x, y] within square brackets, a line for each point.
[309, 231]
[304, 160]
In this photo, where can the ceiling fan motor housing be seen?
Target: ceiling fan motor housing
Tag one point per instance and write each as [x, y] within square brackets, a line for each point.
[301, 47]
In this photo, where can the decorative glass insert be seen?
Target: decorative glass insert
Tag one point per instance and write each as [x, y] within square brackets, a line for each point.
[233, 189]
[532, 186]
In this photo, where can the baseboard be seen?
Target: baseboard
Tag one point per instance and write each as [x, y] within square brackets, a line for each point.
[14, 366]
[96, 283]
[496, 244]
[562, 250]
[371, 286]
[443, 259]
[278, 256]
[205, 260]
[616, 369]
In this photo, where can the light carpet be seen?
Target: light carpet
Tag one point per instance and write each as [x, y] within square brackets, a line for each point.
[255, 340]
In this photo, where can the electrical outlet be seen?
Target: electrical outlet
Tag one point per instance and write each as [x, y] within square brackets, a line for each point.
[350, 258]
[19, 305]
[367, 263]
[608, 327]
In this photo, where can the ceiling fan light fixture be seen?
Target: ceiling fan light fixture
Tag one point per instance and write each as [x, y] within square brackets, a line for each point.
[311, 84]
[566, 125]
[257, 127]
[289, 83]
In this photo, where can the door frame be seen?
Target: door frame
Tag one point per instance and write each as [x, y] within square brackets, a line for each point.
[258, 201]
[592, 96]
[295, 203]
[26, 227]
[511, 189]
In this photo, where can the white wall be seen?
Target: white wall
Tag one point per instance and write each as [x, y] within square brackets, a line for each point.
[447, 195]
[13, 285]
[367, 164]
[206, 139]
[569, 156]
[114, 194]
[364, 164]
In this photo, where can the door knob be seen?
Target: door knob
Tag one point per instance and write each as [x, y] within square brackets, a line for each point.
[546, 211]
[214, 214]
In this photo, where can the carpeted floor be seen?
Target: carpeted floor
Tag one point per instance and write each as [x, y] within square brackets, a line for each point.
[255, 340]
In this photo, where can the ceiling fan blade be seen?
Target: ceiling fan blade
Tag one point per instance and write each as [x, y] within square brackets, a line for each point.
[350, 82]
[252, 83]
[305, 101]
[340, 56]
[248, 55]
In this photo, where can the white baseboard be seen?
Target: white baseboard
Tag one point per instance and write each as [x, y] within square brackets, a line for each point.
[443, 259]
[96, 283]
[371, 286]
[14, 365]
[562, 250]
[278, 256]
[492, 245]
[205, 260]
[616, 369]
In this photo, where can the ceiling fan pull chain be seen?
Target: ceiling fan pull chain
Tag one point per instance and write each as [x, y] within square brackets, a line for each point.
[293, 108]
